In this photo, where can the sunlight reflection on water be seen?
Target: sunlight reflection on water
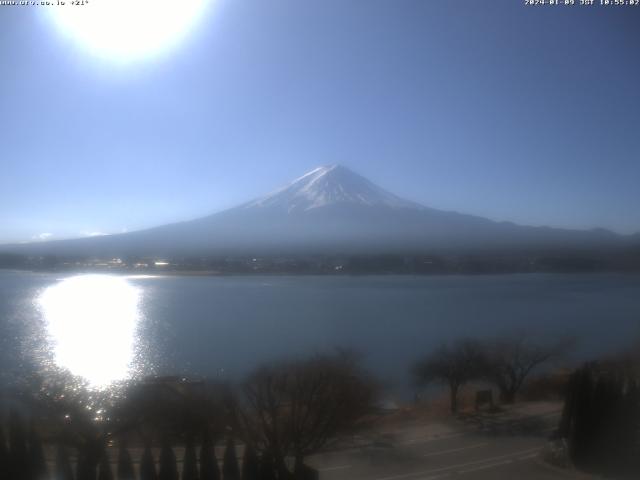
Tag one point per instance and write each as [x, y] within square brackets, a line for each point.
[92, 324]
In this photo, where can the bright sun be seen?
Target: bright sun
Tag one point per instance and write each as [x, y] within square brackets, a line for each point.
[125, 30]
[92, 322]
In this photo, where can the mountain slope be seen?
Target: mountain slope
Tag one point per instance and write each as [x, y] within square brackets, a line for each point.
[329, 210]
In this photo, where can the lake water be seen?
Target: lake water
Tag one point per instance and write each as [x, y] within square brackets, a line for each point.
[109, 327]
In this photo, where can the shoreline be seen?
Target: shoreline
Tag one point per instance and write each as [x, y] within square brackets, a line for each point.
[217, 273]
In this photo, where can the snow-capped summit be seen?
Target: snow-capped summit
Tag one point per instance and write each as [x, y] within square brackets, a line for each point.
[329, 185]
[329, 210]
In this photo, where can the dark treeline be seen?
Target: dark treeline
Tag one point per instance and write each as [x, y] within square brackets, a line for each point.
[476, 263]
[269, 425]
[601, 418]
[22, 458]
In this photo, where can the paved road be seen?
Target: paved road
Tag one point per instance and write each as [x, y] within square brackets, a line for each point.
[478, 449]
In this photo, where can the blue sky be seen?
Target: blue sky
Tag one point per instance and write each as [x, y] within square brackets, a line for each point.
[491, 108]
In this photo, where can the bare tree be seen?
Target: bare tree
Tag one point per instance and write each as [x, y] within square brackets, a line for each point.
[453, 365]
[509, 360]
[162, 407]
[298, 408]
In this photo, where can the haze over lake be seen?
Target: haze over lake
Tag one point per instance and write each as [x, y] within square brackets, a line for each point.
[225, 326]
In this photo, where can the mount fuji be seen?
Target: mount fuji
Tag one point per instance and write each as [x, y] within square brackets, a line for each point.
[330, 209]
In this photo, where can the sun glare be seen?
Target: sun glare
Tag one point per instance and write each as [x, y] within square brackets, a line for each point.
[125, 30]
[92, 322]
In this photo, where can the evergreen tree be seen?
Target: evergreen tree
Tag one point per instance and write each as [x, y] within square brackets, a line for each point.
[147, 465]
[634, 426]
[104, 469]
[168, 465]
[62, 469]
[4, 455]
[87, 466]
[208, 462]
[250, 464]
[190, 462]
[230, 468]
[601, 404]
[37, 462]
[18, 453]
[565, 427]
[582, 428]
[125, 464]
[267, 467]
[601, 420]
[623, 435]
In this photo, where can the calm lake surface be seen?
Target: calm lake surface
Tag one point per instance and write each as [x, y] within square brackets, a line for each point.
[107, 327]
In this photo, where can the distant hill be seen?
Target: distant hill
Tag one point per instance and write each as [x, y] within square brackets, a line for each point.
[331, 210]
